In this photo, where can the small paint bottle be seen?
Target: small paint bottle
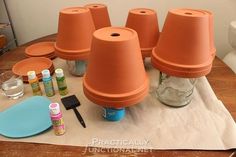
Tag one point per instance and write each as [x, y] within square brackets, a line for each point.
[57, 119]
[61, 82]
[34, 82]
[48, 84]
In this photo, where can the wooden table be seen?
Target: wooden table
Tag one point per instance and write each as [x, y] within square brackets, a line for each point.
[221, 78]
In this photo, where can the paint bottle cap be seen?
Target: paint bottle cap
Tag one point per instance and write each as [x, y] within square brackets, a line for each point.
[59, 73]
[31, 75]
[46, 73]
[54, 108]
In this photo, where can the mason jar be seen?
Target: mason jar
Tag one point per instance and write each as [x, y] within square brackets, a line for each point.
[77, 67]
[175, 91]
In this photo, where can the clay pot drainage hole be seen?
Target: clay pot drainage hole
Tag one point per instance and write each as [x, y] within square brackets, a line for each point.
[115, 34]
[75, 10]
[187, 13]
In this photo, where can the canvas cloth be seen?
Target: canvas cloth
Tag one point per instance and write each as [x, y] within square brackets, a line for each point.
[203, 124]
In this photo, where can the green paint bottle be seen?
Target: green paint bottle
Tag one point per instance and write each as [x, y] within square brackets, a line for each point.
[61, 82]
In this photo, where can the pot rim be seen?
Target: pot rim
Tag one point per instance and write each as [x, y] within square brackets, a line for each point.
[181, 70]
[116, 100]
[72, 54]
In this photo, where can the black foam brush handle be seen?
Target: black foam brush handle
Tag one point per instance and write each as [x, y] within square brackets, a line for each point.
[79, 117]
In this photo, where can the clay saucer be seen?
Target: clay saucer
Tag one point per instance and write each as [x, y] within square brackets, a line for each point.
[51, 69]
[51, 56]
[41, 49]
[34, 63]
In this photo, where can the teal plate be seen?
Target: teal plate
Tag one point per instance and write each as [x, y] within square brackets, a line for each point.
[27, 118]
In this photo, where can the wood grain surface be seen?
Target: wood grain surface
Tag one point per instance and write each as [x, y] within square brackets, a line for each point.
[221, 78]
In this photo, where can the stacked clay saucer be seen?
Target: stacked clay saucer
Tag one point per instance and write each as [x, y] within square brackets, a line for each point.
[41, 49]
[36, 64]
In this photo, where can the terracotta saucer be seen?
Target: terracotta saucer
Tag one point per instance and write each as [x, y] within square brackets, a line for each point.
[39, 75]
[51, 69]
[51, 56]
[40, 49]
[34, 63]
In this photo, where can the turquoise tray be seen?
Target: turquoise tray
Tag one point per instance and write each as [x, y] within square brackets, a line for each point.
[27, 118]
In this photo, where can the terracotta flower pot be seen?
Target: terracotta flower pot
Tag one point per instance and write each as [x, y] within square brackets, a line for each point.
[144, 22]
[100, 15]
[3, 41]
[75, 31]
[211, 31]
[115, 76]
[185, 46]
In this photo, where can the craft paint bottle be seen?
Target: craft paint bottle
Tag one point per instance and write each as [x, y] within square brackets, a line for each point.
[34, 82]
[57, 119]
[47, 82]
[61, 82]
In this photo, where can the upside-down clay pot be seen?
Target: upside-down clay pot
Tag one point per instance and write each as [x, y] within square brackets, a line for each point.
[211, 31]
[3, 40]
[144, 22]
[185, 47]
[100, 15]
[115, 76]
[75, 29]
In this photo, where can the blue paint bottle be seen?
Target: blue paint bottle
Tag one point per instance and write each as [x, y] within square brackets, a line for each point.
[48, 84]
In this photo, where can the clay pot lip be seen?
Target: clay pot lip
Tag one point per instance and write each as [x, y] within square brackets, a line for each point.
[117, 104]
[117, 30]
[191, 13]
[198, 66]
[184, 74]
[95, 6]
[71, 52]
[116, 96]
[74, 10]
[75, 55]
[147, 49]
[109, 100]
[146, 53]
[142, 11]
[182, 70]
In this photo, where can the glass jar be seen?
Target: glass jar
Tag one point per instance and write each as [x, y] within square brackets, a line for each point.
[113, 114]
[11, 85]
[77, 67]
[175, 91]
